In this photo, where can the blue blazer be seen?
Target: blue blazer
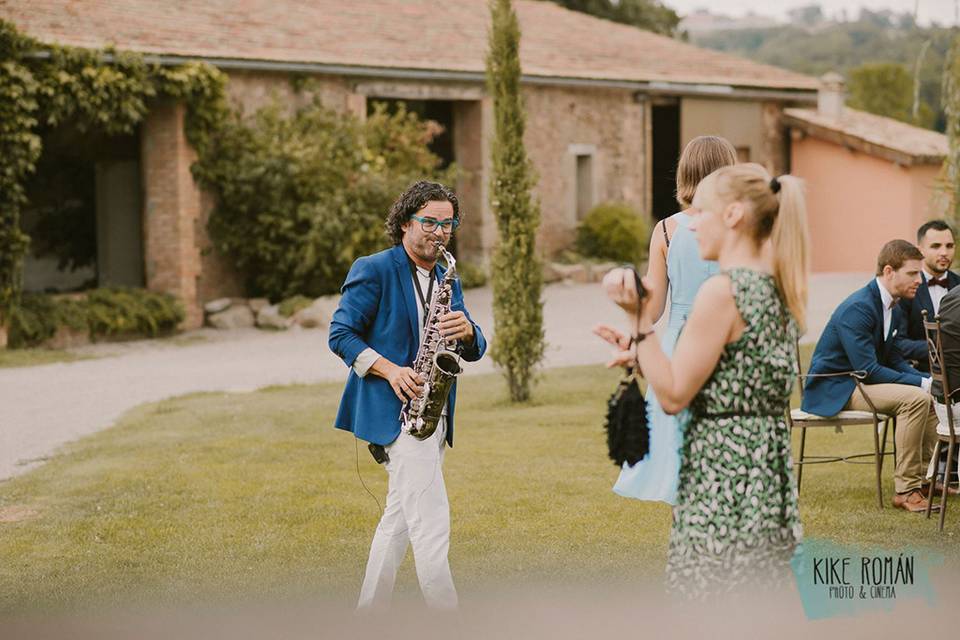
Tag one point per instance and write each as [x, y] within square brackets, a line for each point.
[853, 340]
[911, 341]
[378, 309]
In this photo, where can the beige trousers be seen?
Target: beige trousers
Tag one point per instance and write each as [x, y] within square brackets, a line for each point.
[916, 427]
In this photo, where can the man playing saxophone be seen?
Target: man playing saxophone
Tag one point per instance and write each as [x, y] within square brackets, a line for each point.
[377, 330]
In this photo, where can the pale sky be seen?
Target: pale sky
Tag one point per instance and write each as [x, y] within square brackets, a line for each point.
[943, 11]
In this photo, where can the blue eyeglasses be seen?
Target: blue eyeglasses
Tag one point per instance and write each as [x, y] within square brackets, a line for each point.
[429, 225]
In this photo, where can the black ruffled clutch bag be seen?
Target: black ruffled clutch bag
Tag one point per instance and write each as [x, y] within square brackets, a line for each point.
[628, 434]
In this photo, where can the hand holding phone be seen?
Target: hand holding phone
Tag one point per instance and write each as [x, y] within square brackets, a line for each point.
[624, 286]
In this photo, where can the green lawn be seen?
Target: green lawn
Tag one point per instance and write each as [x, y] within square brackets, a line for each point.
[33, 357]
[221, 494]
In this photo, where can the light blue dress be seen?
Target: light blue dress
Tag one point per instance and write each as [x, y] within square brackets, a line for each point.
[656, 476]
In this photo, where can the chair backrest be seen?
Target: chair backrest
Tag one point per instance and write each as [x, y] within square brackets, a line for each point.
[938, 368]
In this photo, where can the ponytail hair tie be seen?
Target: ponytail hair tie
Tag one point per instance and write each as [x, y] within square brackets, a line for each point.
[774, 185]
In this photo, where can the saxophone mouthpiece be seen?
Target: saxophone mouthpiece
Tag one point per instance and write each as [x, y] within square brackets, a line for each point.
[448, 258]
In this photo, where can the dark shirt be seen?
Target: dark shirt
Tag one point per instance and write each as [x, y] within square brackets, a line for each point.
[911, 341]
[950, 341]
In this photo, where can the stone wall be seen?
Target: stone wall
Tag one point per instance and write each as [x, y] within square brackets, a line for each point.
[252, 90]
[607, 128]
[564, 122]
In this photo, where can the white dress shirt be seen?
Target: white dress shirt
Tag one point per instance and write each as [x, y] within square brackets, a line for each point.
[936, 292]
[887, 301]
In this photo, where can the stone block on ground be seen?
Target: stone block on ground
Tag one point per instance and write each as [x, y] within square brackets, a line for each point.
[319, 313]
[311, 317]
[235, 317]
[218, 305]
[270, 318]
[550, 274]
[600, 269]
[256, 304]
[579, 273]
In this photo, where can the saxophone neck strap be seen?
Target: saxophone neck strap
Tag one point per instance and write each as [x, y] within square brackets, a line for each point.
[424, 300]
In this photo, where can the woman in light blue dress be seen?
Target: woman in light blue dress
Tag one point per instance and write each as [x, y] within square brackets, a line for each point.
[674, 259]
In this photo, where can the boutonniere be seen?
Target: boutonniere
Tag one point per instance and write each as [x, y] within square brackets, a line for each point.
[894, 334]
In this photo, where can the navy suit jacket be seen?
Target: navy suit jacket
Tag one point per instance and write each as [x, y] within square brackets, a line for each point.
[378, 310]
[853, 340]
[911, 341]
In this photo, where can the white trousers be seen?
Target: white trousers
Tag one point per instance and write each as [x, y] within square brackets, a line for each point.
[417, 512]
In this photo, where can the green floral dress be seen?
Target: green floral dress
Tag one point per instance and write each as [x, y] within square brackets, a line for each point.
[736, 522]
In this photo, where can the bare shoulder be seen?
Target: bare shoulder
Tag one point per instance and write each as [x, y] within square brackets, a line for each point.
[715, 299]
[716, 306]
[670, 224]
[717, 290]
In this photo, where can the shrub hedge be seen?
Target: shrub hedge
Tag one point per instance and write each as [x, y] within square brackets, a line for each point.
[613, 231]
[102, 313]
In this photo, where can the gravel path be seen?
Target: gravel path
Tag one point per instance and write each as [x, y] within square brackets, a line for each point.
[46, 406]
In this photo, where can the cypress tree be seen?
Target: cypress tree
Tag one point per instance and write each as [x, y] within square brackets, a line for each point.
[518, 345]
[951, 106]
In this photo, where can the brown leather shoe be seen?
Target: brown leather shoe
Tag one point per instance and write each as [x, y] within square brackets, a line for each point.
[938, 490]
[912, 501]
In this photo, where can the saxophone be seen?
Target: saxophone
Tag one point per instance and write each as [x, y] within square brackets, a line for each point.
[437, 362]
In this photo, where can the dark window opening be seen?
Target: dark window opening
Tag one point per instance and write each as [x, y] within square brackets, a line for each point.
[584, 185]
[439, 111]
[442, 113]
[665, 124]
[84, 213]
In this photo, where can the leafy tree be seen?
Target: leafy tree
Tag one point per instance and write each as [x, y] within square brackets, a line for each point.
[885, 89]
[844, 46]
[300, 196]
[645, 14]
[809, 15]
[884, 18]
[517, 279]
[88, 91]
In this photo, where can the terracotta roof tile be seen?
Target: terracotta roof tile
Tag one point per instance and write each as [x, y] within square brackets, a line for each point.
[877, 133]
[449, 35]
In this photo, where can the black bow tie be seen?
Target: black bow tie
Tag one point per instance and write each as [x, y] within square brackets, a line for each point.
[938, 282]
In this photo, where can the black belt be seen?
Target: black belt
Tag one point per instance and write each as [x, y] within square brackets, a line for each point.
[740, 414]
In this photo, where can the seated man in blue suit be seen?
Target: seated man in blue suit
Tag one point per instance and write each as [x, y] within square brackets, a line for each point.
[860, 336]
[376, 330]
[936, 242]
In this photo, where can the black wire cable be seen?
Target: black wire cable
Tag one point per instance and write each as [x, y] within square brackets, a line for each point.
[356, 448]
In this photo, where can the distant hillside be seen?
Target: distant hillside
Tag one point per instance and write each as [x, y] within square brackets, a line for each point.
[704, 21]
[843, 46]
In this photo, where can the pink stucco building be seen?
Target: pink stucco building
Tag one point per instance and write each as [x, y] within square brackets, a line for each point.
[869, 179]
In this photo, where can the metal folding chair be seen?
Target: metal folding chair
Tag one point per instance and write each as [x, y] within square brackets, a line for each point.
[799, 419]
[946, 433]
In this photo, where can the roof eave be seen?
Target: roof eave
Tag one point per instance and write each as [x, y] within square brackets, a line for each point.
[642, 87]
[850, 141]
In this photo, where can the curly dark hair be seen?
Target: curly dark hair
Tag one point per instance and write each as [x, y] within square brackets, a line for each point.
[412, 200]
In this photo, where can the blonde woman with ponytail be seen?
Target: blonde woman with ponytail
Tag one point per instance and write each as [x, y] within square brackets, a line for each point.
[736, 522]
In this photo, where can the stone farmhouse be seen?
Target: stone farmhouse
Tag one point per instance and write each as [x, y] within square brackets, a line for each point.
[609, 109]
